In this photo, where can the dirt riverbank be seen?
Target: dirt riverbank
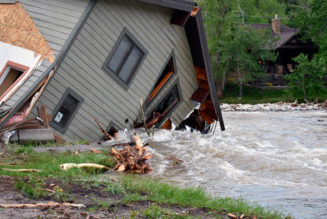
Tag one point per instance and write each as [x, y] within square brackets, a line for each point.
[98, 202]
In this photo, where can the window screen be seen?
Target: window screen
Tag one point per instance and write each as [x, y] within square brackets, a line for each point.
[65, 110]
[125, 58]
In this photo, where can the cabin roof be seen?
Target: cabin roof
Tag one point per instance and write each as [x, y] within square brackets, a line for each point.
[199, 48]
[286, 33]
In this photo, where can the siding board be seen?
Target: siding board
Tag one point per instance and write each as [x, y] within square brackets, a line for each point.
[55, 19]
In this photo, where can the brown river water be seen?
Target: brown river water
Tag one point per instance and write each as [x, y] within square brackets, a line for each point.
[276, 159]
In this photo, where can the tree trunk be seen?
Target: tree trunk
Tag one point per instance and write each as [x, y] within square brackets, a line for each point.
[304, 93]
[241, 82]
[241, 89]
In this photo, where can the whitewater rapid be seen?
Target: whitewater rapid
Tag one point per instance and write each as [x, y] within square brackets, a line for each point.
[276, 159]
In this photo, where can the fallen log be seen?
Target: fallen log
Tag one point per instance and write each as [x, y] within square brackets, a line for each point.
[94, 151]
[68, 166]
[132, 159]
[21, 170]
[42, 205]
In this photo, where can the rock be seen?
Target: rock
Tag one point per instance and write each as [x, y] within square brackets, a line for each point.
[268, 107]
[295, 103]
[324, 104]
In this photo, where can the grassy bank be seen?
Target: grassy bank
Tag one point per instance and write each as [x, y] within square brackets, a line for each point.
[165, 199]
[253, 95]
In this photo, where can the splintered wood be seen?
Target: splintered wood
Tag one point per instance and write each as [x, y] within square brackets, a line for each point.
[132, 159]
[18, 29]
[42, 205]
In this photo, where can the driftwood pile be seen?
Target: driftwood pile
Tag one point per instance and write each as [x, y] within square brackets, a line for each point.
[132, 159]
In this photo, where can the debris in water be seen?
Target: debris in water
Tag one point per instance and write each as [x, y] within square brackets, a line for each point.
[175, 160]
[132, 159]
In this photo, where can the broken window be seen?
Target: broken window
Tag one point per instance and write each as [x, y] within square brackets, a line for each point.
[9, 77]
[166, 74]
[125, 59]
[66, 109]
[166, 105]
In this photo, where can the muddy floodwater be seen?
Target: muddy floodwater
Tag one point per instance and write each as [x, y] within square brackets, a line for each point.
[277, 159]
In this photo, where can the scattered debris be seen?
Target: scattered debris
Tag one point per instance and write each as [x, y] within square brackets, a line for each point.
[21, 170]
[324, 104]
[132, 159]
[94, 151]
[20, 129]
[175, 160]
[113, 132]
[42, 205]
[67, 166]
[33, 135]
[106, 135]
[273, 107]
[231, 215]
[295, 103]
[146, 126]
[196, 122]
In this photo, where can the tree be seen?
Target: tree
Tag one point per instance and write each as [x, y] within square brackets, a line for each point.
[307, 78]
[217, 22]
[233, 47]
[241, 49]
[313, 25]
[309, 75]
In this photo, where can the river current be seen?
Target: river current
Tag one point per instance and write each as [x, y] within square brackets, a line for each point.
[276, 159]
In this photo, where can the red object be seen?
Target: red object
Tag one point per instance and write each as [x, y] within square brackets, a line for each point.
[18, 117]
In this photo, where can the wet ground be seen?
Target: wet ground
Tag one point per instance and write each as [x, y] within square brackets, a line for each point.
[98, 202]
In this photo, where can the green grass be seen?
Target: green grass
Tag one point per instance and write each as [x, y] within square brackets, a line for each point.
[48, 144]
[164, 193]
[253, 95]
[132, 188]
[154, 212]
[48, 163]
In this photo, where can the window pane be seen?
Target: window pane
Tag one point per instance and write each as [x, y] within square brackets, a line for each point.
[66, 110]
[121, 52]
[131, 64]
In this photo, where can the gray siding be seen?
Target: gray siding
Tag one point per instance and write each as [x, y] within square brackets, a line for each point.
[12, 101]
[55, 18]
[81, 69]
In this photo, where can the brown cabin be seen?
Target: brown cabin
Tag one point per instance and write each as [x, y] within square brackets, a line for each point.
[288, 46]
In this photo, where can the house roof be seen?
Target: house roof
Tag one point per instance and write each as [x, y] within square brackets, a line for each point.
[199, 48]
[7, 1]
[286, 33]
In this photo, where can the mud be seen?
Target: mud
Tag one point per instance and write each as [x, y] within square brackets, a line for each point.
[90, 196]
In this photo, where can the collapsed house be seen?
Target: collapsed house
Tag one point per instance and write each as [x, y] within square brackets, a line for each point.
[86, 59]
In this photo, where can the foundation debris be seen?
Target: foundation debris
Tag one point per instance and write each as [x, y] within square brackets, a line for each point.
[132, 159]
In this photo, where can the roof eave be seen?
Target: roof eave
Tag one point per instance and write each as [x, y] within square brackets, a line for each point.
[179, 5]
[208, 68]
